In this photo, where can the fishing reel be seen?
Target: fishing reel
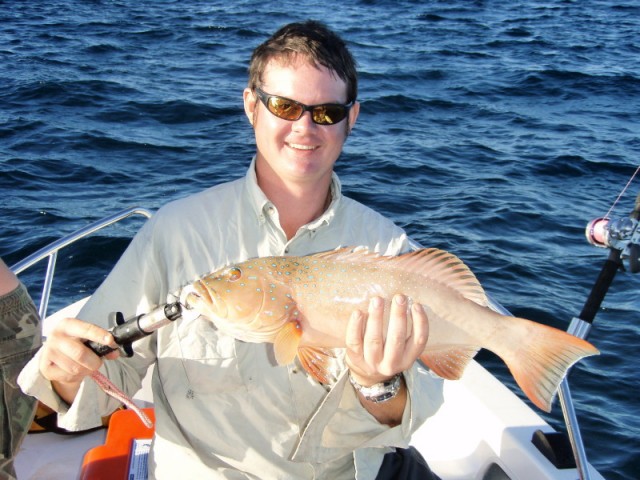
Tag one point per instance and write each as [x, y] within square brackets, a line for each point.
[622, 234]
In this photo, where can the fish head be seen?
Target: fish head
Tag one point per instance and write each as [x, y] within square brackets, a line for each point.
[234, 299]
[228, 294]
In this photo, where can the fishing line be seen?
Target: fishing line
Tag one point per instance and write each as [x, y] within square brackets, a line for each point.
[622, 192]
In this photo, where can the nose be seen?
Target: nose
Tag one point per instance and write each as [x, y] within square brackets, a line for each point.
[305, 122]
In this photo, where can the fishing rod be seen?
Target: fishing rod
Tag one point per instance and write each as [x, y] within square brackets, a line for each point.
[622, 237]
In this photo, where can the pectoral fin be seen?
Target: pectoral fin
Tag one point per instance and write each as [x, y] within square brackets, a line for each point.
[316, 361]
[286, 342]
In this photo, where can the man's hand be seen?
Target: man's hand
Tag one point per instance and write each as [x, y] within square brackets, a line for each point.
[375, 354]
[66, 360]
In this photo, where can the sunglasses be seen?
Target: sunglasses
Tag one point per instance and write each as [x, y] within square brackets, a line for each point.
[287, 109]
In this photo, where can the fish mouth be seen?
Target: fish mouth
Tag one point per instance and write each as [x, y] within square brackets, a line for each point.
[197, 295]
[189, 297]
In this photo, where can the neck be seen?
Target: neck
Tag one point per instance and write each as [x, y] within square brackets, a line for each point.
[297, 204]
[292, 220]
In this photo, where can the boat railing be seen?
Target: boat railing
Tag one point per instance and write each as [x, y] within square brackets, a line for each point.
[51, 251]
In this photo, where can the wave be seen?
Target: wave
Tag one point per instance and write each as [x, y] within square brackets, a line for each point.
[46, 173]
[68, 93]
[171, 112]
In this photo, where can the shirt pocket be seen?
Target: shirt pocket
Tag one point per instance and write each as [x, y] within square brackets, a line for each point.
[209, 358]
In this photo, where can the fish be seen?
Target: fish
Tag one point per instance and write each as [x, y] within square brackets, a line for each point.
[302, 304]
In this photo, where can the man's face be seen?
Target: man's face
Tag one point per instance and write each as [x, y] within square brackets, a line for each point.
[298, 151]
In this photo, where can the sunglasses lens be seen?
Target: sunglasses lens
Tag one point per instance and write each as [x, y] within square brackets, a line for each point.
[291, 110]
[329, 114]
[283, 108]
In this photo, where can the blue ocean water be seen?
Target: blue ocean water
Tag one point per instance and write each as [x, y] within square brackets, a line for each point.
[493, 129]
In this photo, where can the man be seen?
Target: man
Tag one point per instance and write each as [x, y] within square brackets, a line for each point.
[19, 339]
[222, 406]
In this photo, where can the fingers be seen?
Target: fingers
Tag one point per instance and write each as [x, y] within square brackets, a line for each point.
[417, 341]
[354, 334]
[397, 329]
[65, 357]
[374, 335]
[377, 350]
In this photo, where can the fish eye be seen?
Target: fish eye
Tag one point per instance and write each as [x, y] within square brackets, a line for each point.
[234, 273]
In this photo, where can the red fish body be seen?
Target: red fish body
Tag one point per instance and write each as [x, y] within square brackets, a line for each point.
[302, 306]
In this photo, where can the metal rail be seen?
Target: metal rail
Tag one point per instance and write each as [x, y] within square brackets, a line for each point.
[52, 249]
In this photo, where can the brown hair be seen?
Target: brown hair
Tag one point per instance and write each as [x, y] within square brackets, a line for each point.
[314, 41]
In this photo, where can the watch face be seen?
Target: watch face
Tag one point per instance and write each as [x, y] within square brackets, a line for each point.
[379, 392]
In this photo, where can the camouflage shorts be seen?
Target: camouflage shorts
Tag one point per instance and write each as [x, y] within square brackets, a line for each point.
[20, 338]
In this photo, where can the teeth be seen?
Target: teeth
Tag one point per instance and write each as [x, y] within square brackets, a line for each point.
[302, 147]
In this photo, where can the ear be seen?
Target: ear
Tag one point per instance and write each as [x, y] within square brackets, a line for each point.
[250, 103]
[353, 114]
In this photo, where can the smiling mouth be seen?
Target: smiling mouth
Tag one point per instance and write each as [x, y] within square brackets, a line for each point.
[298, 146]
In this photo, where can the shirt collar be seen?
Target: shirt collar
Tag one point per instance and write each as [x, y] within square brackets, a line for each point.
[258, 199]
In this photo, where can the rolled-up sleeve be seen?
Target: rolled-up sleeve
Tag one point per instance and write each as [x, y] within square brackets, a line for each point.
[81, 415]
[341, 425]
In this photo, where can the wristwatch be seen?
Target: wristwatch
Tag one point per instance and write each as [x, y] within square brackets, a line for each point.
[379, 392]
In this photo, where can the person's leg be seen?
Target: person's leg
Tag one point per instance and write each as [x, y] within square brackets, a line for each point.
[20, 338]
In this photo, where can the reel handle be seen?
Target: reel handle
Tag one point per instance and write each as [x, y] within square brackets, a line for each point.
[124, 333]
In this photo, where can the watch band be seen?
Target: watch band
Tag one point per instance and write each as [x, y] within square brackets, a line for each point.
[379, 392]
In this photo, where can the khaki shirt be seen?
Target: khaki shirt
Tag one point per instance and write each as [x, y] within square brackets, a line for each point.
[224, 408]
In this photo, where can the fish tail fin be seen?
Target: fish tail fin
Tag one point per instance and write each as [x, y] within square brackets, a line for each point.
[542, 362]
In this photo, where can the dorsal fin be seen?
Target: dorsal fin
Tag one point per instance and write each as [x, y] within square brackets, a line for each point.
[432, 263]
